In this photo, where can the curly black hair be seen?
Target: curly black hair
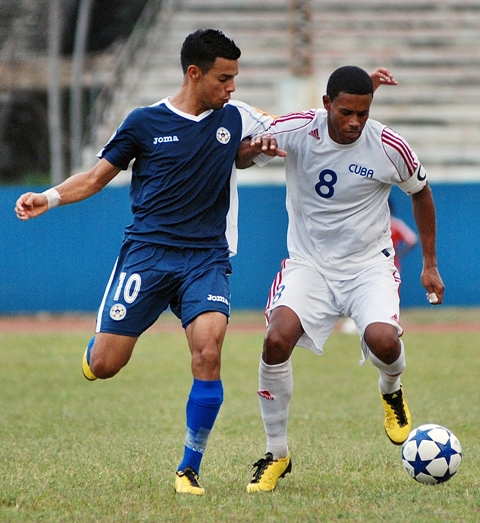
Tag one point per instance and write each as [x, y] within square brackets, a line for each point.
[349, 79]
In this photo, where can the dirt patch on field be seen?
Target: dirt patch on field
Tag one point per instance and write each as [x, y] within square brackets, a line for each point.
[248, 322]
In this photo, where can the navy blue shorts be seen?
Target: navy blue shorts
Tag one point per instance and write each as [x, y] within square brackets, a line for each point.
[148, 278]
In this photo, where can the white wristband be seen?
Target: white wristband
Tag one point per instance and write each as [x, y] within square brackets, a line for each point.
[53, 197]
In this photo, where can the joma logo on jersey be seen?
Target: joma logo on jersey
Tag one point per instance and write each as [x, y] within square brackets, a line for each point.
[164, 139]
[362, 171]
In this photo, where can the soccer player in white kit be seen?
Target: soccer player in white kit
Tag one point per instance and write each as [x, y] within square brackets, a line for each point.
[340, 167]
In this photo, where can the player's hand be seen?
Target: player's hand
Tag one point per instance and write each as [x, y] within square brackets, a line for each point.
[267, 144]
[433, 284]
[31, 205]
[382, 76]
[250, 148]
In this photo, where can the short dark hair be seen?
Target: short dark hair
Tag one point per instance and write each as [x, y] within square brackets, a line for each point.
[349, 79]
[204, 46]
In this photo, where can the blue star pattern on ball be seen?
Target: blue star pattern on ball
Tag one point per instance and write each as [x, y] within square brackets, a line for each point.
[431, 454]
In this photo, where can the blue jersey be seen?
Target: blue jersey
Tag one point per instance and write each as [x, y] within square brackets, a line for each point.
[182, 186]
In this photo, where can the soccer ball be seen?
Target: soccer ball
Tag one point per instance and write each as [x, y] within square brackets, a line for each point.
[431, 454]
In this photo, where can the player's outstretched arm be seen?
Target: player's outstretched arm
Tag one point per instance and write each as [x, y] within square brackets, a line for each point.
[424, 214]
[382, 76]
[251, 147]
[74, 189]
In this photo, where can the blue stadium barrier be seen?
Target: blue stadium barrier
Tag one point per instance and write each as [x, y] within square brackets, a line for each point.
[60, 262]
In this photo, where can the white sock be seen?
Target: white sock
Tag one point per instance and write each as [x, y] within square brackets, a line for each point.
[276, 389]
[389, 380]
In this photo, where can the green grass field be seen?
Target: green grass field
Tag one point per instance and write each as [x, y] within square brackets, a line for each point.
[74, 451]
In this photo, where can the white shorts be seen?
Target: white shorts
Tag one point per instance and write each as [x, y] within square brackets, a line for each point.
[319, 302]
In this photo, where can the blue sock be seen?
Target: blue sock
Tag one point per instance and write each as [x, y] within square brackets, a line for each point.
[204, 402]
[89, 348]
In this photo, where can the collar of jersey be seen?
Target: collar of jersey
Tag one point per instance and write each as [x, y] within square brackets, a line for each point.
[344, 146]
[187, 115]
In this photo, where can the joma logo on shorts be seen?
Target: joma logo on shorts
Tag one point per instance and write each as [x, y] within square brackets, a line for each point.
[164, 139]
[211, 297]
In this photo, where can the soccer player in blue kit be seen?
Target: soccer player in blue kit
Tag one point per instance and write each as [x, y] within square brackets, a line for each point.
[176, 251]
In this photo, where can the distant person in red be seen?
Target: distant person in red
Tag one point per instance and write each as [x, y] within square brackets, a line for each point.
[404, 239]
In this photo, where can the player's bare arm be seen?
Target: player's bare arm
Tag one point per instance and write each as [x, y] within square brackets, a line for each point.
[251, 147]
[382, 76]
[424, 214]
[74, 189]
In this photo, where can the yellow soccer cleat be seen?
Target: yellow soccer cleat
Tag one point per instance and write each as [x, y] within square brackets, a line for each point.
[268, 472]
[186, 482]
[86, 368]
[398, 422]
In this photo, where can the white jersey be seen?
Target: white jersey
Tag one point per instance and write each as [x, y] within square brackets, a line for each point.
[337, 194]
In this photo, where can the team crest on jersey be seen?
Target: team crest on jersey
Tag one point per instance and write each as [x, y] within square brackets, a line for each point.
[118, 312]
[223, 135]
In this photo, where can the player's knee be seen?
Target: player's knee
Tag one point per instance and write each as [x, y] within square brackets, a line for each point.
[392, 369]
[283, 332]
[207, 358]
[211, 356]
[277, 347]
[383, 342]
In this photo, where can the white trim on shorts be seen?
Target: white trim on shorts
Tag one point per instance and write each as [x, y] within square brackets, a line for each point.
[98, 325]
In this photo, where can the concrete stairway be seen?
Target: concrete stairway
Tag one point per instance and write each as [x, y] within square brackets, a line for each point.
[432, 47]
[25, 22]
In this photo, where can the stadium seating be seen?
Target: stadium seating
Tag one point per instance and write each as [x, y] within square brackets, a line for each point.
[430, 45]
